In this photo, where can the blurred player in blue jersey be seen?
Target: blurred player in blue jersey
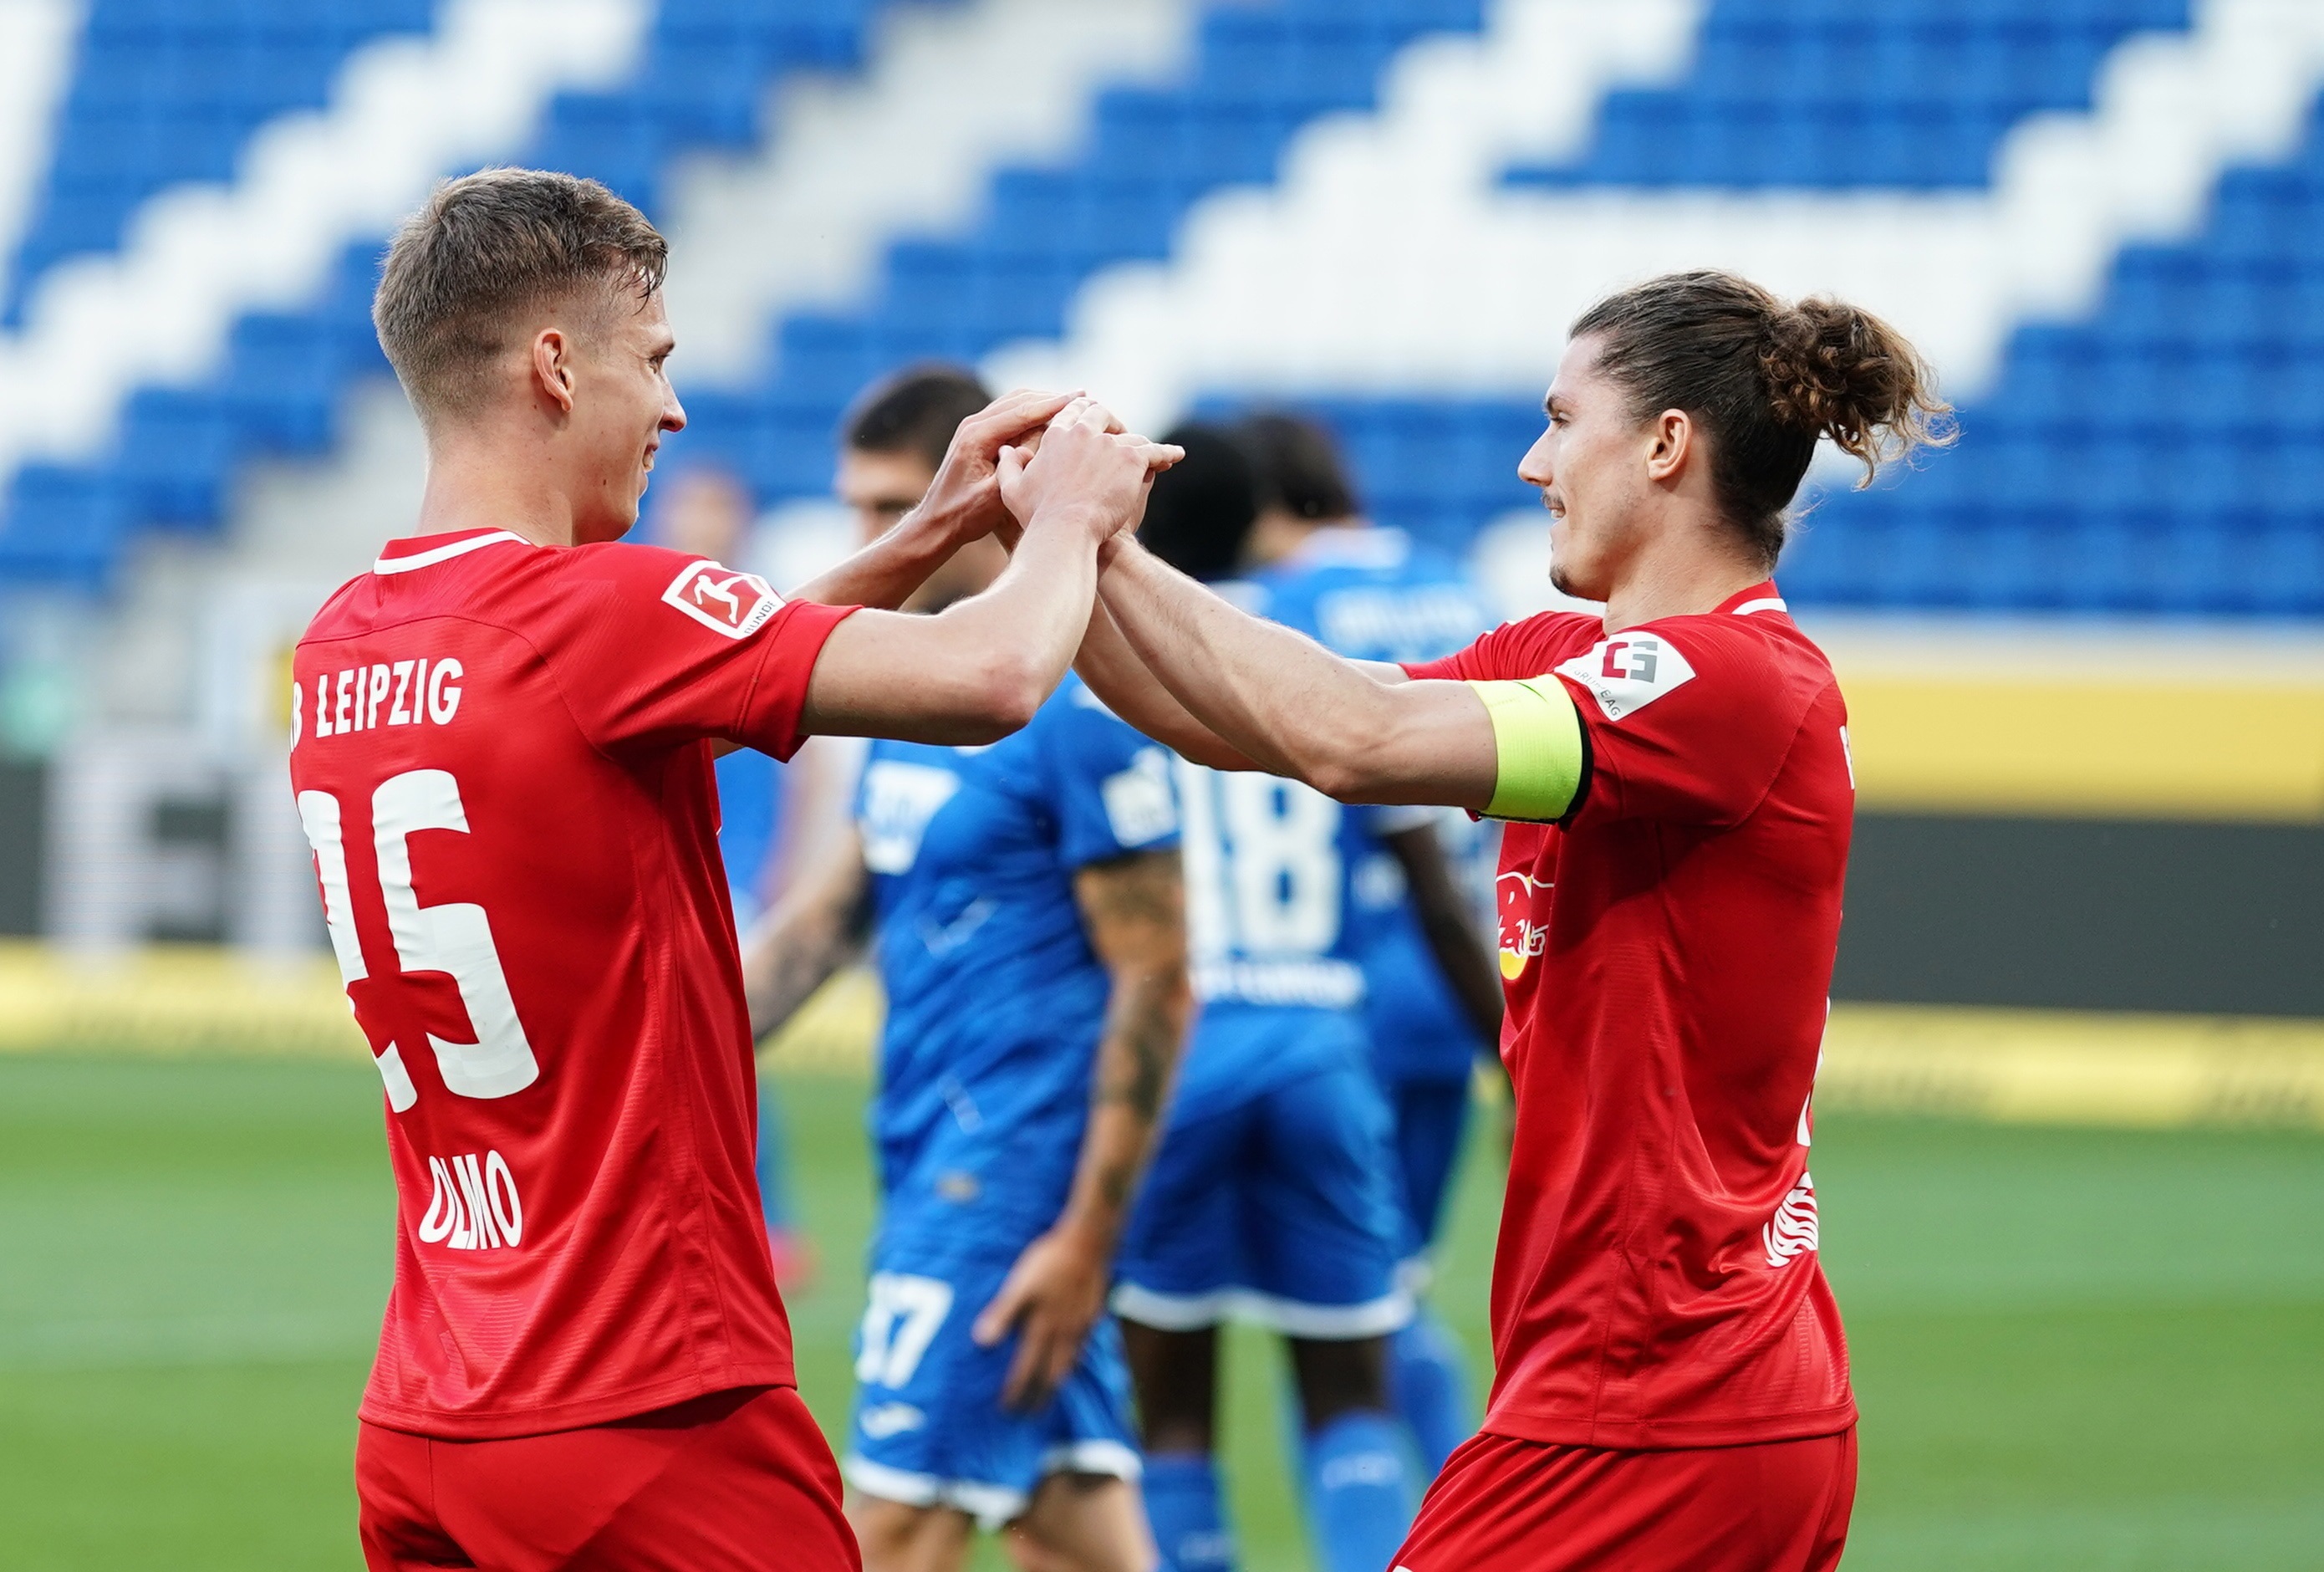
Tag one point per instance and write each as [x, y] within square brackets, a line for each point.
[1432, 996]
[1026, 905]
[707, 510]
[1274, 1197]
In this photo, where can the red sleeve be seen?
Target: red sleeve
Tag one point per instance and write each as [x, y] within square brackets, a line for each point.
[657, 648]
[1513, 649]
[1689, 721]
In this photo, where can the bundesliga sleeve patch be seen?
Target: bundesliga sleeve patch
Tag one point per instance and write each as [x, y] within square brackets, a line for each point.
[1629, 671]
[736, 604]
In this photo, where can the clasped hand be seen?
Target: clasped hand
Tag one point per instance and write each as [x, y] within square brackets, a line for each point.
[1028, 454]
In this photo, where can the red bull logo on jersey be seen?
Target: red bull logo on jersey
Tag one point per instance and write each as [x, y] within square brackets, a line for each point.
[1522, 938]
[1792, 1231]
[736, 604]
[475, 1206]
[1627, 672]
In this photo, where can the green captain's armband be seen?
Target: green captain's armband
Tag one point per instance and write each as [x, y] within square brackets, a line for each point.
[1537, 734]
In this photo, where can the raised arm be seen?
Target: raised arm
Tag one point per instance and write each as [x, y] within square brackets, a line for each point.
[962, 504]
[813, 930]
[1115, 675]
[977, 670]
[1360, 733]
[1133, 909]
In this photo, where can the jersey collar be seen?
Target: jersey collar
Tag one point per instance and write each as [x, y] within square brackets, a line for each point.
[427, 550]
[1761, 596]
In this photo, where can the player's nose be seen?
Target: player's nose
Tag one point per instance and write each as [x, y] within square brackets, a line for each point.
[673, 415]
[1535, 469]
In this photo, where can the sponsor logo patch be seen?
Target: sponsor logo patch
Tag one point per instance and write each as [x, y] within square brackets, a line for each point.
[1629, 671]
[1140, 805]
[899, 801]
[736, 604]
[1522, 938]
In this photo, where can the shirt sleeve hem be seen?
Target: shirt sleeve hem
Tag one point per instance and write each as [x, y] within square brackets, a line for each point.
[771, 723]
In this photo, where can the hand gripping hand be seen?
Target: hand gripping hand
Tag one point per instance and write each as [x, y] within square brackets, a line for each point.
[1085, 472]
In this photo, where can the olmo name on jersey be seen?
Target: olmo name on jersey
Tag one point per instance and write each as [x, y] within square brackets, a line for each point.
[475, 1206]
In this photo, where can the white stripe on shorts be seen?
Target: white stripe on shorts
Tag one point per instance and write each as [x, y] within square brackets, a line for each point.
[1292, 1318]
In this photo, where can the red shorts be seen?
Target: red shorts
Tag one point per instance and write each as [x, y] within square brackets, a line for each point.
[1504, 1505]
[734, 1482]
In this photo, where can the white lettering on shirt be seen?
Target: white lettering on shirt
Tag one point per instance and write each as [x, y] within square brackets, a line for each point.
[444, 700]
[379, 681]
[413, 692]
[400, 713]
[475, 1204]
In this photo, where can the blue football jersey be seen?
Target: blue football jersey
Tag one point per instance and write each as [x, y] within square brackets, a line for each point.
[749, 807]
[1369, 595]
[995, 1000]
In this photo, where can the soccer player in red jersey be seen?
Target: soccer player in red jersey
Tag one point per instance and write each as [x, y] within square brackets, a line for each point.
[1671, 1386]
[502, 759]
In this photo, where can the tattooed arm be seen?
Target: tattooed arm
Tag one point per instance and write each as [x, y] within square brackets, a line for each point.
[1134, 910]
[815, 929]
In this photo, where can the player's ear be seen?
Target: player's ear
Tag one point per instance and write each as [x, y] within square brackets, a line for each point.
[1672, 436]
[552, 367]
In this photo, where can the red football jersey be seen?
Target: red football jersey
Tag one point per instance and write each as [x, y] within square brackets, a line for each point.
[503, 760]
[1667, 955]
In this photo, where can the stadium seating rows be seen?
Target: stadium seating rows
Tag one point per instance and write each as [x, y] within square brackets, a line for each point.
[167, 92]
[706, 68]
[1258, 73]
[2158, 457]
[1831, 94]
[2162, 455]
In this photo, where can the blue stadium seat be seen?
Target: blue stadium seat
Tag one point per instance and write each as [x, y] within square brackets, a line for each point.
[170, 90]
[1910, 94]
[1258, 73]
[63, 526]
[2161, 455]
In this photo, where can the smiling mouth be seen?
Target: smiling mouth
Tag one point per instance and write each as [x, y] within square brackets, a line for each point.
[1554, 503]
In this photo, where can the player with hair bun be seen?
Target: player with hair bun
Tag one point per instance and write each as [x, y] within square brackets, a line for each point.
[1671, 1383]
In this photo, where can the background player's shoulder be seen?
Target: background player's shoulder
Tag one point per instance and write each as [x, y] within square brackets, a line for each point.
[1076, 717]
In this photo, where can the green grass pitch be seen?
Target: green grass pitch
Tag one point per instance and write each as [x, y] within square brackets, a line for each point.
[2074, 1349]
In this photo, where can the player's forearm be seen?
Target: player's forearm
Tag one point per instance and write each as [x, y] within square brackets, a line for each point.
[886, 572]
[974, 672]
[809, 935]
[1292, 706]
[1137, 1062]
[1023, 631]
[1118, 677]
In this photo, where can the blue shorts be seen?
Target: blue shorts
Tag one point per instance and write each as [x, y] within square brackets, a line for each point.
[930, 1429]
[1279, 1209]
[1432, 1117]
